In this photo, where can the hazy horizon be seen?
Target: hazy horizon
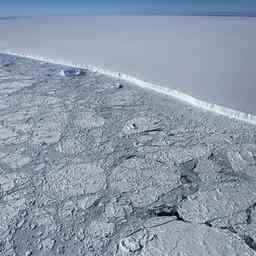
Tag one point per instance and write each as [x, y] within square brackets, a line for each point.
[180, 13]
[79, 7]
[207, 57]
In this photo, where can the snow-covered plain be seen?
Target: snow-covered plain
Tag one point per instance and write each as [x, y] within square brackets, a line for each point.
[210, 58]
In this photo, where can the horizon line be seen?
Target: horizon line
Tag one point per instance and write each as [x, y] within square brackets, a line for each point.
[165, 13]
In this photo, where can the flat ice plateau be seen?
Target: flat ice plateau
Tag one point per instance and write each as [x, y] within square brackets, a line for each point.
[212, 59]
[95, 166]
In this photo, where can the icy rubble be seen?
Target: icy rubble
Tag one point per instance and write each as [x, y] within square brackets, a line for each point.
[15, 160]
[97, 237]
[178, 238]
[143, 180]
[243, 161]
[91, 168]
[117, 211]
[141, 124]
[14, 86]
[223, 201]
[88, 120]
[12, 201]
[7, 136]
[75, 180]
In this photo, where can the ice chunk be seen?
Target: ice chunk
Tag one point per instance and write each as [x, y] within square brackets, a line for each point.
[72, 72]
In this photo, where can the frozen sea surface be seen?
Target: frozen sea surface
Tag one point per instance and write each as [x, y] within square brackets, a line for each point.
[210, 58]
[95, 166]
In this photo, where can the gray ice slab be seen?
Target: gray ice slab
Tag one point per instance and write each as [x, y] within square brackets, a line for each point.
[89, 167]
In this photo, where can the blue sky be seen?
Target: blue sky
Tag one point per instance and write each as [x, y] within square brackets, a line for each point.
[41, 7]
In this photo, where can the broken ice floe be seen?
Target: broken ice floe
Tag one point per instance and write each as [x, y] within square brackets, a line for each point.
[179, 238]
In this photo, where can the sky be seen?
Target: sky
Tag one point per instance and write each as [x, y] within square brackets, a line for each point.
[80, 7]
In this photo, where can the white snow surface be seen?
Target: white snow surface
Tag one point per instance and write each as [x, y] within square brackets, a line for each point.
[208, 62]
